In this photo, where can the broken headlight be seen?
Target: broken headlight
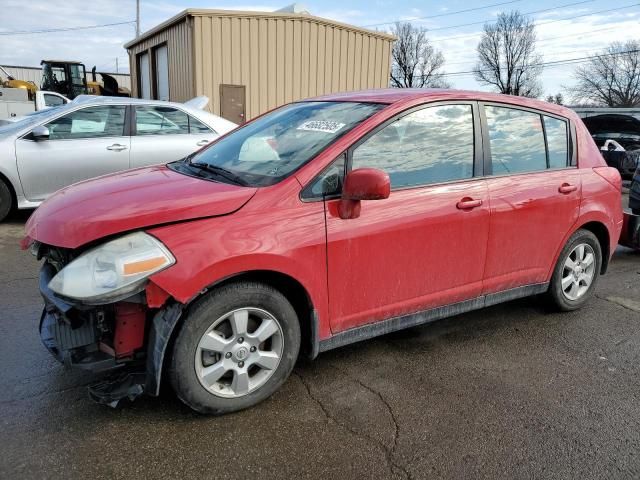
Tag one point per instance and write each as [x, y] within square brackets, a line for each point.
[112, 271]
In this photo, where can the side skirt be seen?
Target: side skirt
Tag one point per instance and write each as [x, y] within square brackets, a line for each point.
[383, 327]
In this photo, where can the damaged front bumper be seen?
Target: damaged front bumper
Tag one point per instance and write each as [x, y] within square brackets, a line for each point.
[125, 342]
[630, 235]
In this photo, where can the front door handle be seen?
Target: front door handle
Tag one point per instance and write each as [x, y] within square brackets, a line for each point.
[202, 143]
[116, 147]
[468, 203]
[567, 188]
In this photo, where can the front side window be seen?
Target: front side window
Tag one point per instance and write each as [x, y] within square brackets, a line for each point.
[432, 145]
[269, 149]
[90, 122]
[557, 141]
[161, 121]
[516, 139]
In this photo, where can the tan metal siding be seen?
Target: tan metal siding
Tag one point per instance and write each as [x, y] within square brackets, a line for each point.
[277, 58]
[178, 38]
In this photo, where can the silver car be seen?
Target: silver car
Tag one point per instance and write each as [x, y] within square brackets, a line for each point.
[93, 136]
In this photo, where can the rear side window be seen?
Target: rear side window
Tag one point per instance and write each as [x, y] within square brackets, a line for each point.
[196, 126]
[557, 141]
[161, 121]
[516, 139]
[431, 145]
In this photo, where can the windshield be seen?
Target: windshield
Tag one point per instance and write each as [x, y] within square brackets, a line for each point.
[271, 148]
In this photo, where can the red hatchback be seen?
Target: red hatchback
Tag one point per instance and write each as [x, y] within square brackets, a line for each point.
[322, 223]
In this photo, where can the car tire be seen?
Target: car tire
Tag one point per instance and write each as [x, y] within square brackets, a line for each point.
[211, 341]
[577, 272]
[6, 200]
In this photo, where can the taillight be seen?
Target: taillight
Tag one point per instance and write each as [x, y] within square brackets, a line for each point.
[611, 175]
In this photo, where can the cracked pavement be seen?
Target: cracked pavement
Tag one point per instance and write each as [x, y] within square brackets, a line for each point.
[512, 391]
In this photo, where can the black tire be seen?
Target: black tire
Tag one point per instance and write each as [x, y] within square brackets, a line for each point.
[556, 295]
[205, 311]
[6, 200]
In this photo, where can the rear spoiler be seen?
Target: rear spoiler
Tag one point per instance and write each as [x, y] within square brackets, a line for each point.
[199, 103]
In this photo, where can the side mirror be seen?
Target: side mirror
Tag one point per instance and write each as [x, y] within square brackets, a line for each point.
[363, 184]
[40, 133]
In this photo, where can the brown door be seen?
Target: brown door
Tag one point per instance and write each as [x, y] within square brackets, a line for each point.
[232, 99]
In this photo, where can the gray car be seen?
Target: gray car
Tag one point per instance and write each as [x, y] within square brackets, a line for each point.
[93, 136]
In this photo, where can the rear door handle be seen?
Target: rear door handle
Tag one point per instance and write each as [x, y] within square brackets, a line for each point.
[567, 188]
[116, 147]
[468, 204]
[202, 143]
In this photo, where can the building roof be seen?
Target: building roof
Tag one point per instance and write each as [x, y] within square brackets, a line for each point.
[200, 12]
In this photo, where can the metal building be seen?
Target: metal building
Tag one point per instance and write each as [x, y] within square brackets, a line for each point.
[250, 62]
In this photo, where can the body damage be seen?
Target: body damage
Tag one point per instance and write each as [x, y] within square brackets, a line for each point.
[218, 232]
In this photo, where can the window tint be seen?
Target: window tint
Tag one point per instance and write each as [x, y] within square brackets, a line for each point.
[161, 121]
[516, 139]
[557, 141]
[196, 126]
[431, 145]
[90, 122]
[329, 182]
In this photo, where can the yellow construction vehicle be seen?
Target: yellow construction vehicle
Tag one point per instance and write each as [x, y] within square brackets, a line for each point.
[70, 79]
[7, 81]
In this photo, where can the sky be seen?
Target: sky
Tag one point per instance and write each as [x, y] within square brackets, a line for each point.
[566, 29]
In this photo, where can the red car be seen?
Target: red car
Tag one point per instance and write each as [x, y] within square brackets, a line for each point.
[322, 223]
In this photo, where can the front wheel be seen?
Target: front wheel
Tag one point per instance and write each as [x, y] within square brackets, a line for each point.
[577, 271]
[237, 346]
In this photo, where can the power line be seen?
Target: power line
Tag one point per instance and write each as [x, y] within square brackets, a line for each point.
[68, 29]
[445, 14]
[540, 23]
[567, 61]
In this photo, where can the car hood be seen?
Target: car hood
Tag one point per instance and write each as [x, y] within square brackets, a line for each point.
[130, 200]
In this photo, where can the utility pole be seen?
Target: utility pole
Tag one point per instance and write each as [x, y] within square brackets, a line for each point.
[116, 64]
[137, 18]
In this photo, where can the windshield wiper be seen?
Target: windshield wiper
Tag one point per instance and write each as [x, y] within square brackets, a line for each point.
[221, 172]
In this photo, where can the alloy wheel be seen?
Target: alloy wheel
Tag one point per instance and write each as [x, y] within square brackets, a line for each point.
[239, 352]
[578, 272]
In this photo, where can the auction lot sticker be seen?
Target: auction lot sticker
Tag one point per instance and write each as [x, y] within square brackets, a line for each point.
[321, 126]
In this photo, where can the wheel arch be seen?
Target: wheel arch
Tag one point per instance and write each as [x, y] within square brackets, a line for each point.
[168, 321]
[601, 232]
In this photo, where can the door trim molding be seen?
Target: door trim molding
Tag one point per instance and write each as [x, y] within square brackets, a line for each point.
[383, 327]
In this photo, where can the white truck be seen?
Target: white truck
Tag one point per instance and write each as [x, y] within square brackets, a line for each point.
[14, 102]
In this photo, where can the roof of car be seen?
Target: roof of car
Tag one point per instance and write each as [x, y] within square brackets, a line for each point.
[396, 95]
[104, 99]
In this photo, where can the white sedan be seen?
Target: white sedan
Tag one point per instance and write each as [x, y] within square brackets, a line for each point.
[93, 136]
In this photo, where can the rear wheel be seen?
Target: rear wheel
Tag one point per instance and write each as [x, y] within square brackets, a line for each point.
[6, 200]
[577, 271]
[237, 346]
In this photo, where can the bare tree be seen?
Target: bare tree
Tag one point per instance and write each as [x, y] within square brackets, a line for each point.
[416, 63]
[611, 78]
[558, 98]
[508, 58]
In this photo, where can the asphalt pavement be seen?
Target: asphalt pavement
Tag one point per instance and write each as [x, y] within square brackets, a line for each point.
[512, 391]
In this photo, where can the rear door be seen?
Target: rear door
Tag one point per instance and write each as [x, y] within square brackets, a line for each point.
[425, 245]
[534, 191]
[82, 144]
[163, 134]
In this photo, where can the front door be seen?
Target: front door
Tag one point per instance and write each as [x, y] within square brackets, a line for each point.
[232, 103]
[534, 194]
[82, 144]
[425, 245]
